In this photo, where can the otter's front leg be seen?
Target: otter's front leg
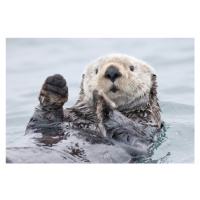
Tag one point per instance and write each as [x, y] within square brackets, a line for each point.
[117, 126]
[53, 95]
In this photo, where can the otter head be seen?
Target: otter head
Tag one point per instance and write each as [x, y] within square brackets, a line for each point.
[122, 78]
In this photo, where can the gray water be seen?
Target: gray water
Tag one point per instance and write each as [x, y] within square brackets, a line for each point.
[30, 61]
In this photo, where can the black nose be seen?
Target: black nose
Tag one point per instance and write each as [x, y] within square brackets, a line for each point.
[112, 73]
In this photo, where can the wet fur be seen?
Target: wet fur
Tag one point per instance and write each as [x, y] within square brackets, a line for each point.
[131, 115]
[141, 106]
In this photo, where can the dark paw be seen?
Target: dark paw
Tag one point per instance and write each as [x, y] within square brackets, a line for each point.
[54, 91]
[56, 84]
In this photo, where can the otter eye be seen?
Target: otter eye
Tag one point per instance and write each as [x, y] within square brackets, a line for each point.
[96, 71]
[131, 68]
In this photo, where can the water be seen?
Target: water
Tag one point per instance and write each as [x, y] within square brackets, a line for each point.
[30, 61]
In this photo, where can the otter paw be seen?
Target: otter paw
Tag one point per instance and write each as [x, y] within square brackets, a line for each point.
[100, 99]
[102, 104]
[54, 91]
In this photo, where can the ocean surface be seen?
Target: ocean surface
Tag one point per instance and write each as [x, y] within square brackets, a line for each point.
[30, 61]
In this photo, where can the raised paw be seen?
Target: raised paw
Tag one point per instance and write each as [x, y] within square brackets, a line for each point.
[102, 104]
[54, 91]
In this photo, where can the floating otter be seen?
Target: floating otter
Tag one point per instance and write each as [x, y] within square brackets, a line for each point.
[117, 105]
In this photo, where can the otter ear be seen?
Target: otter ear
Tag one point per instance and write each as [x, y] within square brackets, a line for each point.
[154, 86]
[81, 93]
[153, 78]
[82, 80]
[154, 101]
[83, 76]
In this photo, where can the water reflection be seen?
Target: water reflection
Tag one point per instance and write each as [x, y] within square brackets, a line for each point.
[161, 139]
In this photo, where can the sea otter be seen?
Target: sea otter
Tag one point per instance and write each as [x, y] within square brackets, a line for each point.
[117, 104]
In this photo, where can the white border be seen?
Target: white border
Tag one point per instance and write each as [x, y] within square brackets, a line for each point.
[99, 19]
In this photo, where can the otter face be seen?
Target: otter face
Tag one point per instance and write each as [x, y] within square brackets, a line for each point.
[122, 78]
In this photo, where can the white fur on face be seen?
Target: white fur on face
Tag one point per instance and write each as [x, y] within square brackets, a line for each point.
[131, 84]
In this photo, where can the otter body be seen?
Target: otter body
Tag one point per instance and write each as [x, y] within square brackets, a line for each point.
[117, 109]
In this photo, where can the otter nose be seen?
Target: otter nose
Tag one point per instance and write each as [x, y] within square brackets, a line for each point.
[112, 73]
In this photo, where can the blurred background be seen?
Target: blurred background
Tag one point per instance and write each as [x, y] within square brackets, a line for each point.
[30, 61]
